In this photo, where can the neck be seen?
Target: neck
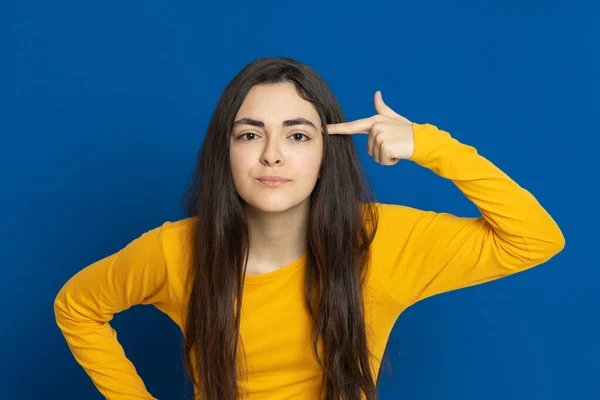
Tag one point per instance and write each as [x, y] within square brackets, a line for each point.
[277, 239]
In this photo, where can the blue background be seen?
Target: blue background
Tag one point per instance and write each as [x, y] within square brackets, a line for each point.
[104, 106]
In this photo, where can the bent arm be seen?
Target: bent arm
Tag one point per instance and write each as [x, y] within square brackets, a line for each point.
[85, 305]
[431, 253]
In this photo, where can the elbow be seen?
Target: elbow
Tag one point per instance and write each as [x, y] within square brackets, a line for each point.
[64, 317]
[544, 249]
[59, 308]
[558, 244]
[556, 241]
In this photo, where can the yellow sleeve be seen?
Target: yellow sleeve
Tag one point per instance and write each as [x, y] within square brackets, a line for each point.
[426, 253]
[137, 274]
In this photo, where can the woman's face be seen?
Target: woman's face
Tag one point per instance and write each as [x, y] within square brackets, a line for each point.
[275, 133]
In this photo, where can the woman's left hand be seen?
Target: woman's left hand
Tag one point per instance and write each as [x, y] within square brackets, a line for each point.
[391, 136]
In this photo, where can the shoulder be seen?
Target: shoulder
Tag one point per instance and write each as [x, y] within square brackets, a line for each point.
[171, 230]
[176, 238]
[394, 213]
[397, 223]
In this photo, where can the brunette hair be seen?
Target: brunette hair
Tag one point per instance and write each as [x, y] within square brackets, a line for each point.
[342, 224]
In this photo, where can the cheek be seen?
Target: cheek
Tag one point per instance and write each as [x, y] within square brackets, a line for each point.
[238, 168]
[308, 163]
[238, 159]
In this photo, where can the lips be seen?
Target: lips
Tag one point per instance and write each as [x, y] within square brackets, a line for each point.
[272, 179]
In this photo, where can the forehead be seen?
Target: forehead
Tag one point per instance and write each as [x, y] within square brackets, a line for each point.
[276, 102]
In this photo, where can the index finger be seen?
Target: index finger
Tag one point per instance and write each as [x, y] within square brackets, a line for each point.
[349, 128]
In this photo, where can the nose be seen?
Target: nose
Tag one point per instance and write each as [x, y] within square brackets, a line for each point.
[272, 153]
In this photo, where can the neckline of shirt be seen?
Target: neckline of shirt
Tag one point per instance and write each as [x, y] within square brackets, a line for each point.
[278, 273]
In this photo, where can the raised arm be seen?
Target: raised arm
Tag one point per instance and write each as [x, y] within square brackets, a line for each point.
[427, 253]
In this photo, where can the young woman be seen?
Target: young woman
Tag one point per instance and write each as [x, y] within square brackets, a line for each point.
[281, 217]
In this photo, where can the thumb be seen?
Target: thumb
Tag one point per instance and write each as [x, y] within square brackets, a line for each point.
[384, 110]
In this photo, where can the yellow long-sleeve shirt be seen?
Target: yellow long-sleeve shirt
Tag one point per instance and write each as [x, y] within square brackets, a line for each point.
[416, 254]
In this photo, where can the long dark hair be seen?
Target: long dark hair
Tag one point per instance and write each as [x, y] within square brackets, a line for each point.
[342, 224]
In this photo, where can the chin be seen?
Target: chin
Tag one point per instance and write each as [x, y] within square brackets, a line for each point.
[272, 204]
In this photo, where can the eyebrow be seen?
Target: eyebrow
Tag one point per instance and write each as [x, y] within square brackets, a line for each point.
[286, 123]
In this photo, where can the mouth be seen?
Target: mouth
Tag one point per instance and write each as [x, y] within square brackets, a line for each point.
[272, 182]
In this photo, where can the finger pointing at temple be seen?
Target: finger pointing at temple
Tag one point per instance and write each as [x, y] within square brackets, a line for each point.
[358, 126]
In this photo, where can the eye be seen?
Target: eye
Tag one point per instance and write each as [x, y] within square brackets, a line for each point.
[297, 134]
[301, 134]
[244, 134]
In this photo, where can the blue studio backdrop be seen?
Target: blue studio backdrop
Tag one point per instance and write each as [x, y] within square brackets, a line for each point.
[104, 105]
